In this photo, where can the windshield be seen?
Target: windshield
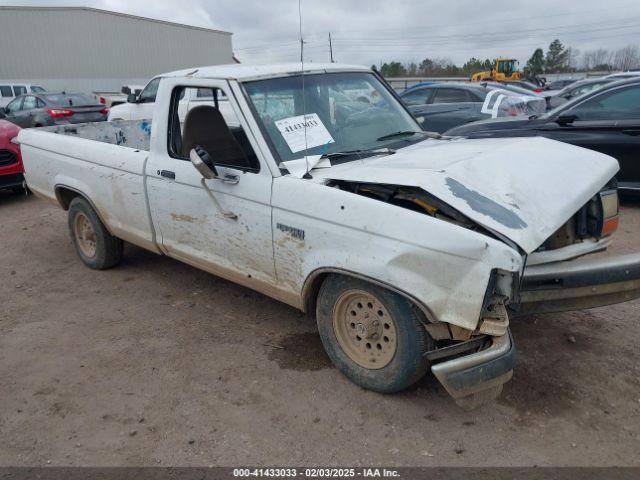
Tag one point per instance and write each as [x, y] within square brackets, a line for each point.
[506, 66]
[344, 112]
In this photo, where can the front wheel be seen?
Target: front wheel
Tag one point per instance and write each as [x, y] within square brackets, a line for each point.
[96, 247]
[372, 335]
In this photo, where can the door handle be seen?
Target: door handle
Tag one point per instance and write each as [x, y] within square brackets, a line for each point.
[230, 178]
[168, 174]
[632, 131]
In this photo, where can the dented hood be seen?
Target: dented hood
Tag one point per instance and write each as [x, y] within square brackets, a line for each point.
[522, 188]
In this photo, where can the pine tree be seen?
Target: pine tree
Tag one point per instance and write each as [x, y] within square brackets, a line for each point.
[557, 58]
[535, 65]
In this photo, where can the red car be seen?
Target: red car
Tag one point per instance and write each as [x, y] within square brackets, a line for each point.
[11, 169]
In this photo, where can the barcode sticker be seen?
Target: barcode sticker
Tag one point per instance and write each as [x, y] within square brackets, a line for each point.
[293, 132]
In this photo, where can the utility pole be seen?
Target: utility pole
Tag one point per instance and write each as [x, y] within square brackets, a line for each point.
[330, 48]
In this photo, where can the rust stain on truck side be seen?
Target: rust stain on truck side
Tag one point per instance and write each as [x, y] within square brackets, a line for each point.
[183, 218]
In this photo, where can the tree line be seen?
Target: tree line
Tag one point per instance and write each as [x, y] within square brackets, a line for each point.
[557, 59]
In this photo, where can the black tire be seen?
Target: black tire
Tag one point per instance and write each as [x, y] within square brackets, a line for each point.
[408, 364]
[108, 249]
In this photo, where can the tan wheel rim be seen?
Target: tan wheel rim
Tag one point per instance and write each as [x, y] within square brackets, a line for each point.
[364, 329]
[85, 235]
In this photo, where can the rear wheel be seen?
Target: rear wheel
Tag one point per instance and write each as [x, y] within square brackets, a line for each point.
[374, 336]
[95, 246]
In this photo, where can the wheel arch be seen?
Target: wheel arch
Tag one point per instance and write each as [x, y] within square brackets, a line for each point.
[314, 280]
[65, 195]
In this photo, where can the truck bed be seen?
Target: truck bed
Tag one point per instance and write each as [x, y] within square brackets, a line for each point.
[103, 161]
[125, 133]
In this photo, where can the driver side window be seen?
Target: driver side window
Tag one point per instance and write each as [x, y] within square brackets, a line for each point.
[620, 104]
[148, 95]
[214, 129]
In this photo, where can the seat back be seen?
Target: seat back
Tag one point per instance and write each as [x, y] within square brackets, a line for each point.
[206, 127]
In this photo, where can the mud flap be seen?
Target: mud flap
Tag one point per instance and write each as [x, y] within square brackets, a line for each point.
[579, 284]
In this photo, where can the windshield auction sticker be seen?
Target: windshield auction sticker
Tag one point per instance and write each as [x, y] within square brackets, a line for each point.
[304, 131]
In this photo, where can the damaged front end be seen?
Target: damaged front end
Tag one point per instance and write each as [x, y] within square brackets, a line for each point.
[415, 199]
[544, 202]
[472, 365]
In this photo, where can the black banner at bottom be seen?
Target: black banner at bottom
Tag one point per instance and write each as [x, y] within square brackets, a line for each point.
[409, 473]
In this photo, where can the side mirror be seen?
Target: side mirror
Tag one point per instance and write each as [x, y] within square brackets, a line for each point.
[3, 113]
[566, 119]
[202, 161]
[132, 98]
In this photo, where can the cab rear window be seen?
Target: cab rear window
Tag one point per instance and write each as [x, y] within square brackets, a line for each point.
[68, 99]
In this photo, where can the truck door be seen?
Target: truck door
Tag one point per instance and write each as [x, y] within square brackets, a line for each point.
[190, 224]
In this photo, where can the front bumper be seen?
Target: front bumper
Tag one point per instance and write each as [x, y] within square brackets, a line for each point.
[12, 181]
[579, 284]
[480, 372]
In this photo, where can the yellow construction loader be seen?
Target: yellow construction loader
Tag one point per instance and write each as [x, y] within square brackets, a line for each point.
[504, 69]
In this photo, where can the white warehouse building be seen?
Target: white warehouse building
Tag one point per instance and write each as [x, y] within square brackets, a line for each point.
[87, 49]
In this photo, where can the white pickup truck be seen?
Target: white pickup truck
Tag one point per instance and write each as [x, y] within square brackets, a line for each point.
[412, 249]
[111, 99]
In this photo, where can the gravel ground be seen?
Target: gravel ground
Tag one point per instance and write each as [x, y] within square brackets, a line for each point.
[157, 363]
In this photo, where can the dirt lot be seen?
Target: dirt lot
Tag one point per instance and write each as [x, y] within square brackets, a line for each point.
[155, 362]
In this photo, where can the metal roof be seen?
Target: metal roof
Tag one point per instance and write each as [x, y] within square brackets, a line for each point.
[108, 12]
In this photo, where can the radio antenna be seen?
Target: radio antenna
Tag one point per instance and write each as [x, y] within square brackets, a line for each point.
[330, 48]
[307, 175]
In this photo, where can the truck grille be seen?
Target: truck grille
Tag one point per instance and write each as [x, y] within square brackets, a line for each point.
[7, 158]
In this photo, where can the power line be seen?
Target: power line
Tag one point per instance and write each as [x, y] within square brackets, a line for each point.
[450, 25]
[463, 38]
[499, 36]
[493, 19]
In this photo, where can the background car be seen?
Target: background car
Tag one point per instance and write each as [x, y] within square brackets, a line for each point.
[140, 106]
[606, 120]
[9, 91]
[623, 75]
[526, 85]
[559, 84]
[11, 169]
[441, 106]
[42, 109]
[557, 98]
[511, 87]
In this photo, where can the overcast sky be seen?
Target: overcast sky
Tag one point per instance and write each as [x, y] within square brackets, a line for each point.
[371, 31]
